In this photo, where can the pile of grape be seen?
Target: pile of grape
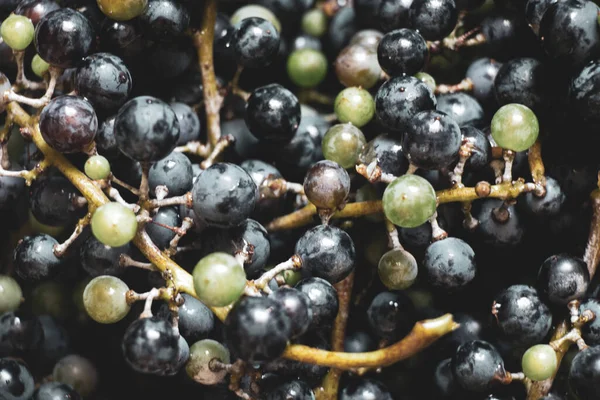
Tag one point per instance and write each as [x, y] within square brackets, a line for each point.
[299, 199]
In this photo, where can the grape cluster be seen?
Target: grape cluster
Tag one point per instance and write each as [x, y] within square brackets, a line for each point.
[299, 199]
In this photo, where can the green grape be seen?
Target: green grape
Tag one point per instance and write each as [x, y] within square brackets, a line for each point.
[397, 269]
[77, 372]
[314, 22]
[10, 294]
[39, 66]
[17, 32]
[77, 294]
[307, 67]
[254, 10]
[354, 105]
[97, 167]
[219, 279]
[539, 362]
[515, 127]
[342, 143]
[409, 201]
[292, 277]
[426, 79]
[105, 299]
[122, 10]
[198, 365]
[51, 298]
[114, 224]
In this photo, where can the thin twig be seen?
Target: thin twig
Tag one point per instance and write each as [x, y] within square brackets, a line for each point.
[61, 249]
[194, 147]
[114, 194]
[11, 95]
[466, 85]
[127, 261]
[222, 144]
[295, 262]
[592, 249]
[21, 80]
[127, 186]
[536, 166]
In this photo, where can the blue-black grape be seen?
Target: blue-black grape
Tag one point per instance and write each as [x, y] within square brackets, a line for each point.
[291, 390]
[583, 90]
[34, 258]
[584, 374]
[449, 264]
[563, 278]
[323, 301]
[56, 343]
[98, 259]
[273, 113]
[359, 342]
[402, 52]
[482, 73]
[463, 108]
[499, 225]
[174, 171]
[476, 365]
[35, 10]
[481, 150]
[189, 123]
[365, 389]
[391, 315]
[387, 152]
[106, 143]
[161, 236]
[164, 20]
[524, 81]
[255, 42]
[433, 19]
[51, 201]
[590, 332]
[55, 391]
[196, 321]
[297, 306]
[19, 333]
[534, 11]
[327, 252]
[17, 382]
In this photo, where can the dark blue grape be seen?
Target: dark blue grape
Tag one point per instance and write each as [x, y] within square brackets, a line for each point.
[69, 124]
[398, 99]
[482, 73]
[387, 152]
[55, 391]
[183, 355]
[590, 332]
[189, 123]
[402, 52]
[123, 39]
[432, 140]
[64, 37]
[584, 374]
[297, 306]
[104, 80]
[323, 301]
[521, 316]
[305, 42]
[164, 20]
[391, 315]
[584, 91]
[171, 60]
[327, 252]
[341, 28]
[51, 201]
[105, 138]
[563, 278]
[19, 333]
[273, 113]
[524, 81]
[534, 11]
[11, 190]
[548, 205]
[449, 264]
[196, 320]
[255, 42]
[481, 150]
[146, 129]
[150, 345]
[443, 380]
[476, 365]
[35, 10]
[17, 382]
[462, 108]
[257, 329]
[507, 35]
[359, 342]
[99, 259]
[174, 171]
[365, 389]
[224, 195]
[55, 345]
[162, 236]
[34, 258]
[498, 225]
[260, 171]
[292, 390]
[433, 19]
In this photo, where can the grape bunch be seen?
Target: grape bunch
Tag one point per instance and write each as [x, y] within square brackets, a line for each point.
[299, 199]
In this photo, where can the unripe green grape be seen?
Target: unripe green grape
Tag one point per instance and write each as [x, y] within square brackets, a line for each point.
[114, 224]
[515, 127]
[122, 10]
[307, 67]
[51, 298]
[354, 105]
[10, 294]
[39, 66]
[105, 300]
[397, 269]
[17, 32]
[342, 143]
[97, 167]
[198, 365]
[77, 372]
[409, 201]
[426, 79]
[254, 10]
[539, 362]
[219, 279]
[314, 22]
[292, 277]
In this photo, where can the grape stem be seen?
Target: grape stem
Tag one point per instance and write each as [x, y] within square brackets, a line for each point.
[509, 157]
[185, 200]
[116, 196]
[61, 249]
[222, 144]
[11, 95]
[127, 261]
[331, 382]
[393, 238]
[306, 96]
[181, 231]
[373, 173]
[592, 249]
[466, 85]
[277, 187]
[422, 335]
[144, 190]
[203, 40]
[21, 81]
[127, 186]
[194, 147]
[466, 148]
[295, 262]
[536, 166]
[437, 233]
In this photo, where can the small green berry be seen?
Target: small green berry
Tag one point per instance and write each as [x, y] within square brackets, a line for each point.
[122, 10]
[354, 105]
[426, 79]
[114, 224]
[539, 362]
[105, 299]
[10, 294]
[409, 201]
[219, 279]
[515, 127]
[307, 67]
[39, 66]
[97, 167]
[314, 22]
[342, 143]
[17, 32]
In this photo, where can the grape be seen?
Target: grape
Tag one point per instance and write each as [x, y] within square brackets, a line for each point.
[69, 124]
[35, 10]
[387, 152]
[196, 320]
[219, 279]
[104, 80]
[327, 185]
[63, 37]
[50, 298]
[433, 19]
[476, 364]
[99, 259]
[255, 42]
[449, 264]
[97, 167]
[584, 373]
[539, 362]
[255, 10]
[354, 105]
[55, 391]
[18, 333]
[34, 258]
[104, 299]
[314, 22]
[201, 354]
[482, 73]
[183, 355]
[590, 332]
[342, 144]
[584, 89]
[364, 389]
[563, 278]
[515, 127]
[409, 201]
[189, 123]
[397, 269]
[402, 52]
[160, 235]
[524, 81]
[534, 11]
[291, 390]
[359, 342]
[307, 67]
[17, 32]
[174, 171]
[224, 195]
[10, 294]
[122, 10]
[113, 224]
[55, 345]
[305, 42]
[462, 108]
[391, 315]
[493, 228]
[296, 304]
[105, 139]
[77, 372]
[481, 151]
[426, 79]
[368, 38]
[51, 201]
[17, 382]
[323, 301]
[257, 329]
[147, 120]
[357, 65]
[273, 113]
[164, 20]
